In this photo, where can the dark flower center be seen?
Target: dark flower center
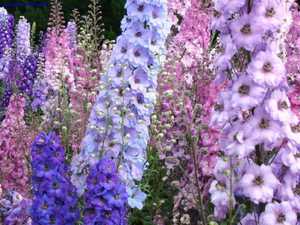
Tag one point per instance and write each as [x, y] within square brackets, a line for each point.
[246, 29]
[270, 12]
[55, 185]
[283, 105]
[123, 50]
[137, 80]
[267, 67]
[121, 92]
[140, 98]
[154, 15]
[264, 123]
[296, 128]
[297, 189]
[297, 155]
[216, 14]
[280, 218]
[44, 205]
[141, 8]
[137, 53]
[258, 181]
[138, 34]
[107, 214]
[119, 73]
[117, 196]
[219, 107]
[244, 89]
[46, 167]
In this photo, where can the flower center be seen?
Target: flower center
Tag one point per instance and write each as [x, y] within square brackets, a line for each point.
[264, 123]
[141, 8]
[45, 205]
[283, 105]
[246, 29]
[123, 50]
[281, 218]
[297, 189]
[295, 129]
[219, 107]
[267, 68]
[270, 12]
[297, 155]
[258, 181]
[216, 14]
[244, 89]
[138, 34]
[137, 53]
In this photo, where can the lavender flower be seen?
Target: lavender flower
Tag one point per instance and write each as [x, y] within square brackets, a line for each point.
[259, 183]
[118, 125]
[267, 69]
[277, 214]
[260, 134]
[23, 48]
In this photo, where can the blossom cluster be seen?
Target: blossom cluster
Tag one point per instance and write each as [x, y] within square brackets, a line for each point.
[118, 124]
[180, 129]
[19, 70]
[14, 209]
[15, 139]
[259, 132]
[6, 40]
[105, 196]
[292, 63]
[54, 197]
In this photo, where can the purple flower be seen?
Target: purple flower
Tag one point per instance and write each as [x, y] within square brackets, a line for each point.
[105, 196]
[267, 69]
[220, 197]
[246, 94]
[55, 199]
[263, 129]
[249, 219]
[247, 32]
[278, 106]
[278, 214]
[259, 183]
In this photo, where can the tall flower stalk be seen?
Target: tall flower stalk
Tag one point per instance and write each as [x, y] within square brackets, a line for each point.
[118, 124]
[260, 133]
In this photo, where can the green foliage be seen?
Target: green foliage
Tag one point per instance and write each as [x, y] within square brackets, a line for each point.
[113, 11]
[160, 194]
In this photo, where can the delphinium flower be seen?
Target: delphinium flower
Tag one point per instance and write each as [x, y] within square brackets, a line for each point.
[21, 69]
[15, 139]
[105, 196]
[6, 54]
[54, 79]
[259, 132]
[54, 197]
[6, 39]
[23, 48]
[14, 209]
[180, 129]
[118, 124]
[25, 60]
[292, 63]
